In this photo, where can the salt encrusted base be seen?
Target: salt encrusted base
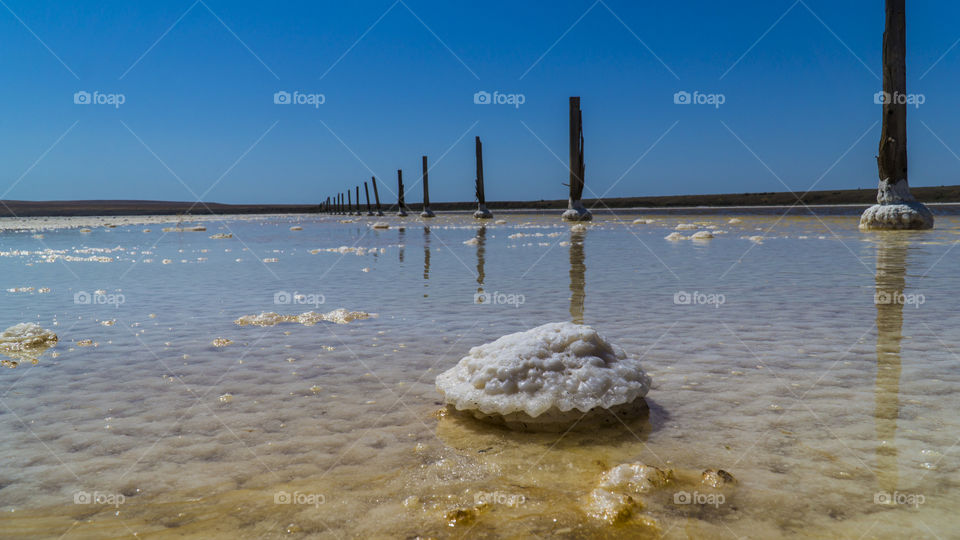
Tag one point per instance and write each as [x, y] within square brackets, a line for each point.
[577, 212]
[903, 216]
[427, 213]
[483, 213]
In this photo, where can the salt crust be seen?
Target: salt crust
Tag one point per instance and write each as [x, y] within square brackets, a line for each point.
[550, 374]
[310, 318]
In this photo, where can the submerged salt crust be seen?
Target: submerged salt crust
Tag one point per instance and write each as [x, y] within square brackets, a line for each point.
[551, 373]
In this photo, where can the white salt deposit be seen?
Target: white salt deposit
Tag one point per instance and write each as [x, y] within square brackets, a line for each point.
[24, 336]
[908, 215]
[310, 318]
[551, 374]
[381, 225]
[579, 227]
[675, 236]
[196, 228]
[701, 235]
[221, 236]
[734, 221]
[472, 242]
[686, 227]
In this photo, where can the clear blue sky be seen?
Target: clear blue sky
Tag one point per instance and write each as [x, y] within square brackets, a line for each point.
[199, 81]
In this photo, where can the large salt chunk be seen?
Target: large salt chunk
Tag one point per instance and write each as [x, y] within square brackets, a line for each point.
[552, 374]
[25, 336]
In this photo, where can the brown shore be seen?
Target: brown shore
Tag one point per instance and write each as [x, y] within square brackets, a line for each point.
[10, 208]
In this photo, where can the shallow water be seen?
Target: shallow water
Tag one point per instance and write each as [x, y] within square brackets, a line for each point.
[770, 359]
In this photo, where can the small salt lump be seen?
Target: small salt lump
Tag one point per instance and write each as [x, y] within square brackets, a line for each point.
[546, 378]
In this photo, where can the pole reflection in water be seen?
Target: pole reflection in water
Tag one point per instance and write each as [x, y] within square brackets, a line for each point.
[481, 252]
[890, 282]
[401, 235]
[426, 258]
[578, 271]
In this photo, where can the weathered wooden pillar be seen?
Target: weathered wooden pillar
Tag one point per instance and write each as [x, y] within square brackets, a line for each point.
[376, 194]
[427, 213]
[482, 212]
[366, 191]
[358, 201]
[402, 208]
[575, 210]
[896, 208]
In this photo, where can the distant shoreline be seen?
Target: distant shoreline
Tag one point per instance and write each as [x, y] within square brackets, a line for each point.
[849, 197]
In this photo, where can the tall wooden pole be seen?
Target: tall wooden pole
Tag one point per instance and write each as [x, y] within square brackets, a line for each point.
[427, 213]
[366, 191]
[482, 212]
[896, 208]
[358, 200]
[575, 210]
[376, 194]
[892, 157]
[401, 210]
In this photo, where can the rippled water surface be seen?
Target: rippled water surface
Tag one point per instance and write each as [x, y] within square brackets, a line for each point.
[815, 363]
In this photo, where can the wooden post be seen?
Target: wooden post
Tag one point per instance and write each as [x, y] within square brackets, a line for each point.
[575, 210]
[427, 213]
[892, 158]
[896, 208]
[482, 212]
[358, 200]
[366, 192]
[349, 204]
[401, 211]
[376, 194]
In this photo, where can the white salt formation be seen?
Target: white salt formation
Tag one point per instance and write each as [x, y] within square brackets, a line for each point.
[546, 378]
[310, 318]
[25, 341]
[197, 228]
[905, 215]
[701, 235]
[25, 336]
[675, 236]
